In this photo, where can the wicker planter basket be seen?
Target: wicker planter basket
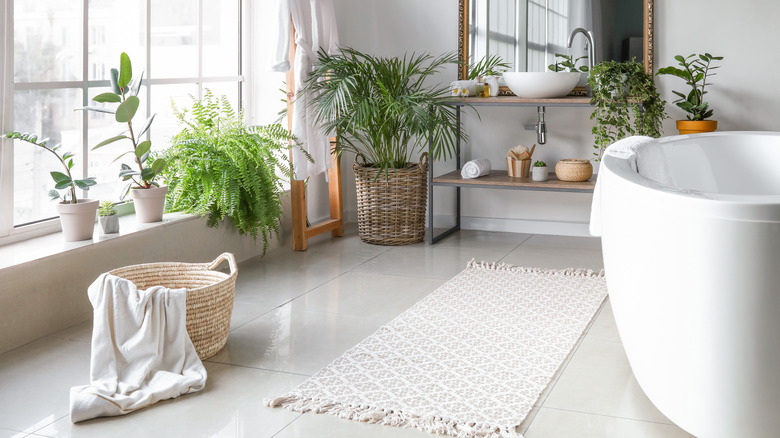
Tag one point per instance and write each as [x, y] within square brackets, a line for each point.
[573, 169]
[209, 296]
[391, 207]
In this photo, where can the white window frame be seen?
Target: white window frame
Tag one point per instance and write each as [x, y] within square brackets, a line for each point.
[8, 231]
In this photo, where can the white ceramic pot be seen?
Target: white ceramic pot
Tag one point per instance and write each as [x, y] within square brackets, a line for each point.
[149, 203]
[109, 224]
[78, 220]
[539, 173]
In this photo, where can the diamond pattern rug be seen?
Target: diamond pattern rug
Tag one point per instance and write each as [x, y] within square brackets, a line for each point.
[469, 360]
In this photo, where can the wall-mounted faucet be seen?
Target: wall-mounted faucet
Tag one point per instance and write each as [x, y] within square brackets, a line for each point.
[591, 50]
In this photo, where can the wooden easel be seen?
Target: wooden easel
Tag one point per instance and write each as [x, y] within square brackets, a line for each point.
[301, 231]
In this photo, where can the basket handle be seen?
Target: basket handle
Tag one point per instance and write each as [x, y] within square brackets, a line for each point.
[362, 157]
[423, 159]
[231, 259]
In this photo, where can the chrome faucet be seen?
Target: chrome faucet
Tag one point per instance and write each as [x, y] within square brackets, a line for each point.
[591, 50]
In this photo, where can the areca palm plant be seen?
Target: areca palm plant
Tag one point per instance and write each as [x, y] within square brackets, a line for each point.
[384, 109]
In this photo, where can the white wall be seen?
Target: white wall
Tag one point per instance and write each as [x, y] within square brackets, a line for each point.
[743, 95]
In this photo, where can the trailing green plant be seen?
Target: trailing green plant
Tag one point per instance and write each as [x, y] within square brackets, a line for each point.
[383, 108]
[539, 163]
[220, 167]
[62, 181]
[490, 65]
[124, 91]
[695, 71]
[566, 63]
[107, 208]
[626, 103]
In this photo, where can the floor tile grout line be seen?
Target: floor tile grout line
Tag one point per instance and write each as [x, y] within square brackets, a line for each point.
[609, 416]
[256, 368]
[47, 425]
[287, 425]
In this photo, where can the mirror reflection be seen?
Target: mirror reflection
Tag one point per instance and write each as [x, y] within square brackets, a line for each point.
[528, 34]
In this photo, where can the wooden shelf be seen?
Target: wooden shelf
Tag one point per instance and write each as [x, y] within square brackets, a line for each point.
[521, 101]
[500, 180]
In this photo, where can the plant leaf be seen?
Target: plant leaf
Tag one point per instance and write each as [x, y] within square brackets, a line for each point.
[158, 165]
[107, 97]
[85, 184]
[142, 148]
[147, 124]
[125, 71]
[126, 110]
[137, 85]
[96, 109]
[60, 177]
[109, 141]
[114, 78]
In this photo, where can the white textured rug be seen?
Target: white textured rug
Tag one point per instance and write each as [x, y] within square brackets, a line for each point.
[469, 360]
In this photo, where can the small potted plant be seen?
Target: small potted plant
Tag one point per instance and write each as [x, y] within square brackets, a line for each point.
[695, 71]
[626, 103]
[108, 217]
[539, 171]
[147, 194]
[77, 216]
[566, 63]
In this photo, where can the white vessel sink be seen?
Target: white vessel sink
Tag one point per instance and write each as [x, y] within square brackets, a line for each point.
[541, 84]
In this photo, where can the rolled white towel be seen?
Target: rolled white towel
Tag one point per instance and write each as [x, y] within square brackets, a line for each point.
[475, 168]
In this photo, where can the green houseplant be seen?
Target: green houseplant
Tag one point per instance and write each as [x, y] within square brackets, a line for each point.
[695, 71]
[222, 168]
[385, 111]
[489, 68]
[77, 216]
[566, 63]
[147, 193]
[626, 103]
[539, 171]
[108, 218]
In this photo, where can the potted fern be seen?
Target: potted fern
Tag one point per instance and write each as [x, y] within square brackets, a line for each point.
[220, 167]
[77, 216]
[626, 103]
[385, 111]
[148, 195]
[695, 71]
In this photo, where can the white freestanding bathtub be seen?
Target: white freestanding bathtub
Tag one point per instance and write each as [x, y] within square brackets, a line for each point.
[693, 271]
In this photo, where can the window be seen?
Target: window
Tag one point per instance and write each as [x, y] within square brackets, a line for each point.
[61, 53]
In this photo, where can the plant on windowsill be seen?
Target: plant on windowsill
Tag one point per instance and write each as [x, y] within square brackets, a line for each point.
[222, 168]
[385, 111]
[108, 217]
[147, 194]
[626, 103]
[695, 73]
[77, 216]
[539, 171]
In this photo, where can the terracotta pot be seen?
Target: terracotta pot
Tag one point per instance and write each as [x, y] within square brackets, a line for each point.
[78, 220]
[696, 126]
[149, 203]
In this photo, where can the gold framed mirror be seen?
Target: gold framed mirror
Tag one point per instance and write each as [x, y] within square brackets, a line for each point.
[474, 14]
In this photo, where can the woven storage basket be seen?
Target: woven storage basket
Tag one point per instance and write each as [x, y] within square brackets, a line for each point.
[573, 169]
[391, 206]
[209, 296]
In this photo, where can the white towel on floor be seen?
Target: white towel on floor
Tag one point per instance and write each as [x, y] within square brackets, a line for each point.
[646, 156]
[141, 352]
[475, 168]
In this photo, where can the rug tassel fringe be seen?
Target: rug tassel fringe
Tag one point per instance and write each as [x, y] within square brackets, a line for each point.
[574, 272]
[388, 417]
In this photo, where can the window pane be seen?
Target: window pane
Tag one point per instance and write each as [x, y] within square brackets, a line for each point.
[47, 41]
[165, 123]
[46, 113]
[220, 38]
[174, 39]
[101, 161]
[110, 34]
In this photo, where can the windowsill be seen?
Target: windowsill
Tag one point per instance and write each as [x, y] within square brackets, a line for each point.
[41, 247]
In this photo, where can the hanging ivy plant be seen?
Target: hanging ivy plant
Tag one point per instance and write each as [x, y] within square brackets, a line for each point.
[626, 103]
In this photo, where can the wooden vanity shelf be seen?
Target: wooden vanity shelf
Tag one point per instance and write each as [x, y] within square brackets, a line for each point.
[497, 179]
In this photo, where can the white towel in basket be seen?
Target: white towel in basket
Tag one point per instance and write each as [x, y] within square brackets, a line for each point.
[141, 352]
[475, 168]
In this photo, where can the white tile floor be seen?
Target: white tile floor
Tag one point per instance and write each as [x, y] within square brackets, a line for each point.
[297, 311]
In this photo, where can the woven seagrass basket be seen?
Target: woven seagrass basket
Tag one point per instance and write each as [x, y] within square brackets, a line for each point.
[573, 169]
[209, 296]
[391, 206]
